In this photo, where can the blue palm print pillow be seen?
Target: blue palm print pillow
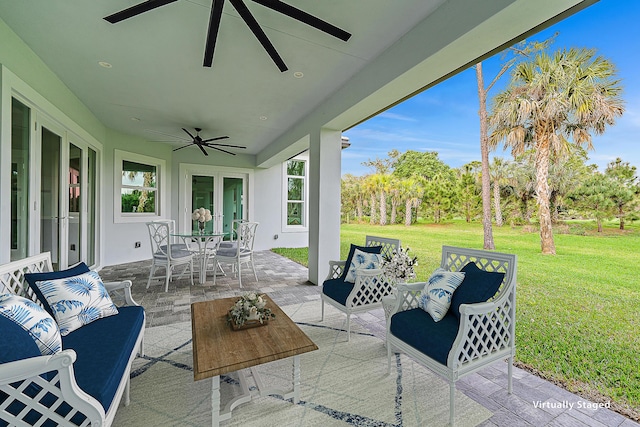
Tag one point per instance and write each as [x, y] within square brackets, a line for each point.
[77, 301]
[33, 319]
[362, 260]
[436, 295]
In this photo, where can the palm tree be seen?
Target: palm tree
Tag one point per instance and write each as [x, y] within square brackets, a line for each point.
[520, 50]
[499, 176]
[383, 184]
[412, 190]
[521, 180]
[395, 193]
[370, 188]
[550, 101]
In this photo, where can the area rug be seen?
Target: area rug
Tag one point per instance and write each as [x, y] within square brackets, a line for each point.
[343, 384]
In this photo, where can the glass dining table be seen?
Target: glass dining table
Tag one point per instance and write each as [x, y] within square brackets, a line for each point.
[206, 245]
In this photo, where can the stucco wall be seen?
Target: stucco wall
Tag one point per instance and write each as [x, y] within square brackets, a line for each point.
[270, 210]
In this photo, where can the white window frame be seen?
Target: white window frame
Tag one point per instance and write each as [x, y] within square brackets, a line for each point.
[305, 196]
[160, 165]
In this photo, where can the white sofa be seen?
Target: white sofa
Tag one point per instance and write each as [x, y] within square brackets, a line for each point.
[84, 383]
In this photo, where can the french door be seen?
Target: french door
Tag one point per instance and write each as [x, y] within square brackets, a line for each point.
[53, 192]
[223, 193]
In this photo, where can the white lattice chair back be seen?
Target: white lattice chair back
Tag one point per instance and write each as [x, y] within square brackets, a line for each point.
[246, 235]
[235, 225]
[159, 235]
[454, 260]
[389, 246]
[485, 334]
[13, 281]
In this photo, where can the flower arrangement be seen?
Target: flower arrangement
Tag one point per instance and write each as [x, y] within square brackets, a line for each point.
[250, 308]
[400, 266]
[203, 216]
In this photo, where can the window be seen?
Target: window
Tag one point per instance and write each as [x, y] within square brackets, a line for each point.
[139, 180]
[296, 172]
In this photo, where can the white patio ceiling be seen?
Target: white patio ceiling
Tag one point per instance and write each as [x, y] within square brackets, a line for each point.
[157, 83]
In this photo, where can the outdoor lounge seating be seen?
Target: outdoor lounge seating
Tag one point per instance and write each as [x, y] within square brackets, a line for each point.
[81, 383]
[369, 286]
[477, 330]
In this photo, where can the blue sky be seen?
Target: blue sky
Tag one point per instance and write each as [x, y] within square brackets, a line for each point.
[444, 118]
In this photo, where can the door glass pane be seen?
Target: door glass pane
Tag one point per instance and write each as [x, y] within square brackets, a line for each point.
[20, 127]
[202, 197]
[75, 159]
[50, 195]
[232, 203]
[91, 207]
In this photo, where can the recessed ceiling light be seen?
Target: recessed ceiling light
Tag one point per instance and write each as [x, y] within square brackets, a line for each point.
[298, 75]
[263, 118]
[104, 64]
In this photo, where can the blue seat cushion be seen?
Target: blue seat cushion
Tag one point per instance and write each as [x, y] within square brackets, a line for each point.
[32, 278]
[352, 249]
[103, 348]
[418, 329]
[229, 244]
[178, 250]
[231, 252]
[478, 286]
[17, 343]
[337, 289]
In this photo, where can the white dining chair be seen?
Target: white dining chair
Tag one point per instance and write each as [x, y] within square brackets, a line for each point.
[166, 254]
[240, 253]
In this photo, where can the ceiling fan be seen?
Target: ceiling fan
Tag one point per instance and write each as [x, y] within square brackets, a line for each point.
[202, 143]
[248, 18]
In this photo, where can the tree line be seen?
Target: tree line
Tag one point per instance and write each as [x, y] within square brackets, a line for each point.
[546, 115]
[405, 186]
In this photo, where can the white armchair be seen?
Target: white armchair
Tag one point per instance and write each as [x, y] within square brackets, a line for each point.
[367, 291]
[472, 334]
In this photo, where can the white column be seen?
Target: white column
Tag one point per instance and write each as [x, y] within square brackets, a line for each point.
[324, 201]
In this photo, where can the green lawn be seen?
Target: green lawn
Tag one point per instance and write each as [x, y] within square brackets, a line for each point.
[578, 312]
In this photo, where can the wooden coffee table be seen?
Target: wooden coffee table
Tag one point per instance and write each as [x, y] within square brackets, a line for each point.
[217, 350]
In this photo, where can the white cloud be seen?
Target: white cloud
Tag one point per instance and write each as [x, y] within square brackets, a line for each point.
[395, 116]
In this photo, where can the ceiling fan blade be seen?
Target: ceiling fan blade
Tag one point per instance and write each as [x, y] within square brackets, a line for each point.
[212, 33]
[224, 145]
[224, 151]
[136, 10]
[215, 139]
[253, 25]
[189, 133]
[202, 149]
[184, 146]
[306, 18]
